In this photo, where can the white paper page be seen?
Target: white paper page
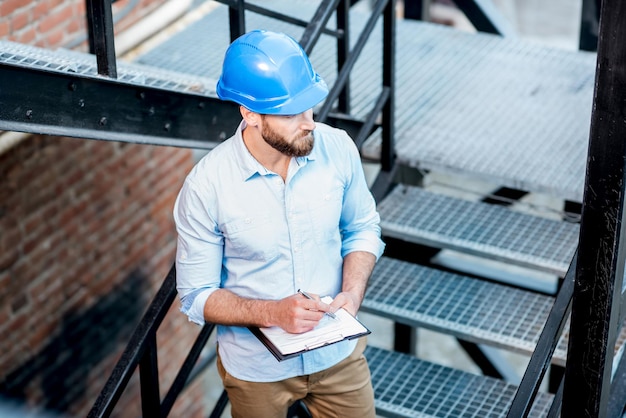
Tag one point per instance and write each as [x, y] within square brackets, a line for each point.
[328, 331]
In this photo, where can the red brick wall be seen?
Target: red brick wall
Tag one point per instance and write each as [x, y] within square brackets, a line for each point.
[54, 23]
[86, 238]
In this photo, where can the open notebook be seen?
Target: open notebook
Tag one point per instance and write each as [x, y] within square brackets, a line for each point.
[284, 345]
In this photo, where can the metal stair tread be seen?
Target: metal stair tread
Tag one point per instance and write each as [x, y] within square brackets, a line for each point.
[67, 61]
[471, 309]
[508, 111]
[405, 386]
[416, 215]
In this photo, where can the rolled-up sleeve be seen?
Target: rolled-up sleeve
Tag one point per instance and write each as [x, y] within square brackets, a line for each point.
[199, 250]
[360, 222]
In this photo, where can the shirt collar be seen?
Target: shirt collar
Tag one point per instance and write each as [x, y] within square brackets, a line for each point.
[249, 165]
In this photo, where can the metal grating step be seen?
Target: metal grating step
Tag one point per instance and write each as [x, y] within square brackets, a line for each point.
[502, 110]
[496, 232]
[66, 61]
[405, 386]
[471, 309]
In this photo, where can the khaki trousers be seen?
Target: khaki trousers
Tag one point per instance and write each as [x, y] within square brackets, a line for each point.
[342, 391]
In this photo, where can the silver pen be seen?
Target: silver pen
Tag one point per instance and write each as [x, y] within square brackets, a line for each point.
[306, 295]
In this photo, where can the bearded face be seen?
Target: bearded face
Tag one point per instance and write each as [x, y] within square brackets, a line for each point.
[298, 145]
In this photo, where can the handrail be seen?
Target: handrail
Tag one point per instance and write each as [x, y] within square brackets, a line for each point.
[598, 294]
[314, 29]
[385, 101]
[354, 54]
[542, 355]
[188, 370]
[135, 348]
[235, 4]
[141, 349]
[370, 121]
[557, 402]
[617, 395]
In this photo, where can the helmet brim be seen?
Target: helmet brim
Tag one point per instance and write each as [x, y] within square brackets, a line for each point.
[305, 100]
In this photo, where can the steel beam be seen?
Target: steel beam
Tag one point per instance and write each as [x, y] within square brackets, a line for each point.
[65, 104]
[599, 276]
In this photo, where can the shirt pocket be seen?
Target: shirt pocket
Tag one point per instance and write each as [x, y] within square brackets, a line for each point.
[251, 238]
[325, 213]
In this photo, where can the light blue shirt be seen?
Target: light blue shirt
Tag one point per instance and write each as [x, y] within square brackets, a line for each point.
[242, 228]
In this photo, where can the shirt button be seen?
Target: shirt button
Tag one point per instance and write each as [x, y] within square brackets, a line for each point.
[247, 220]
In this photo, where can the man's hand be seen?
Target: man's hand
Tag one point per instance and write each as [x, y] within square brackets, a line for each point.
[357, 268]
[297, 314]
[348, 301]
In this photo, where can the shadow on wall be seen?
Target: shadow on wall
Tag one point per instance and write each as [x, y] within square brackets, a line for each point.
[86, 338]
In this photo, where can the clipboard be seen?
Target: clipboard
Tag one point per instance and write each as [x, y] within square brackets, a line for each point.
[284, 345]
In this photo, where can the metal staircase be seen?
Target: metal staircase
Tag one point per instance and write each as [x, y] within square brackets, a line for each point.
[408, 387]
[505, 111]
[495, 232]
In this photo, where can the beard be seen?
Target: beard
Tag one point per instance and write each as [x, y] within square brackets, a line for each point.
[299, 147]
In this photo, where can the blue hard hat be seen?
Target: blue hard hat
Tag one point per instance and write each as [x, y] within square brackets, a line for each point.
[269, 73]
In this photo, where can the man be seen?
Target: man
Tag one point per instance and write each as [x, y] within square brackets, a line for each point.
[282, 205]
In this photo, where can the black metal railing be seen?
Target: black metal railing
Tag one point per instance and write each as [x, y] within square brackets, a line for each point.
[594, 383]
[598, 303]
[101, 40]
[141, 351]
[541, 358]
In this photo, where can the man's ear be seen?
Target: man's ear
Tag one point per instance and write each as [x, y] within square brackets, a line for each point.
[251, 118]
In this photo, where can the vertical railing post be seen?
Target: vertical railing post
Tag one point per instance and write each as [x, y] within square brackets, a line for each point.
[596, 306]
[588, 40]
[387, 156]
[343, 49]
[149, 379]
[237, 19]
[416, 9]
[101, 43]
